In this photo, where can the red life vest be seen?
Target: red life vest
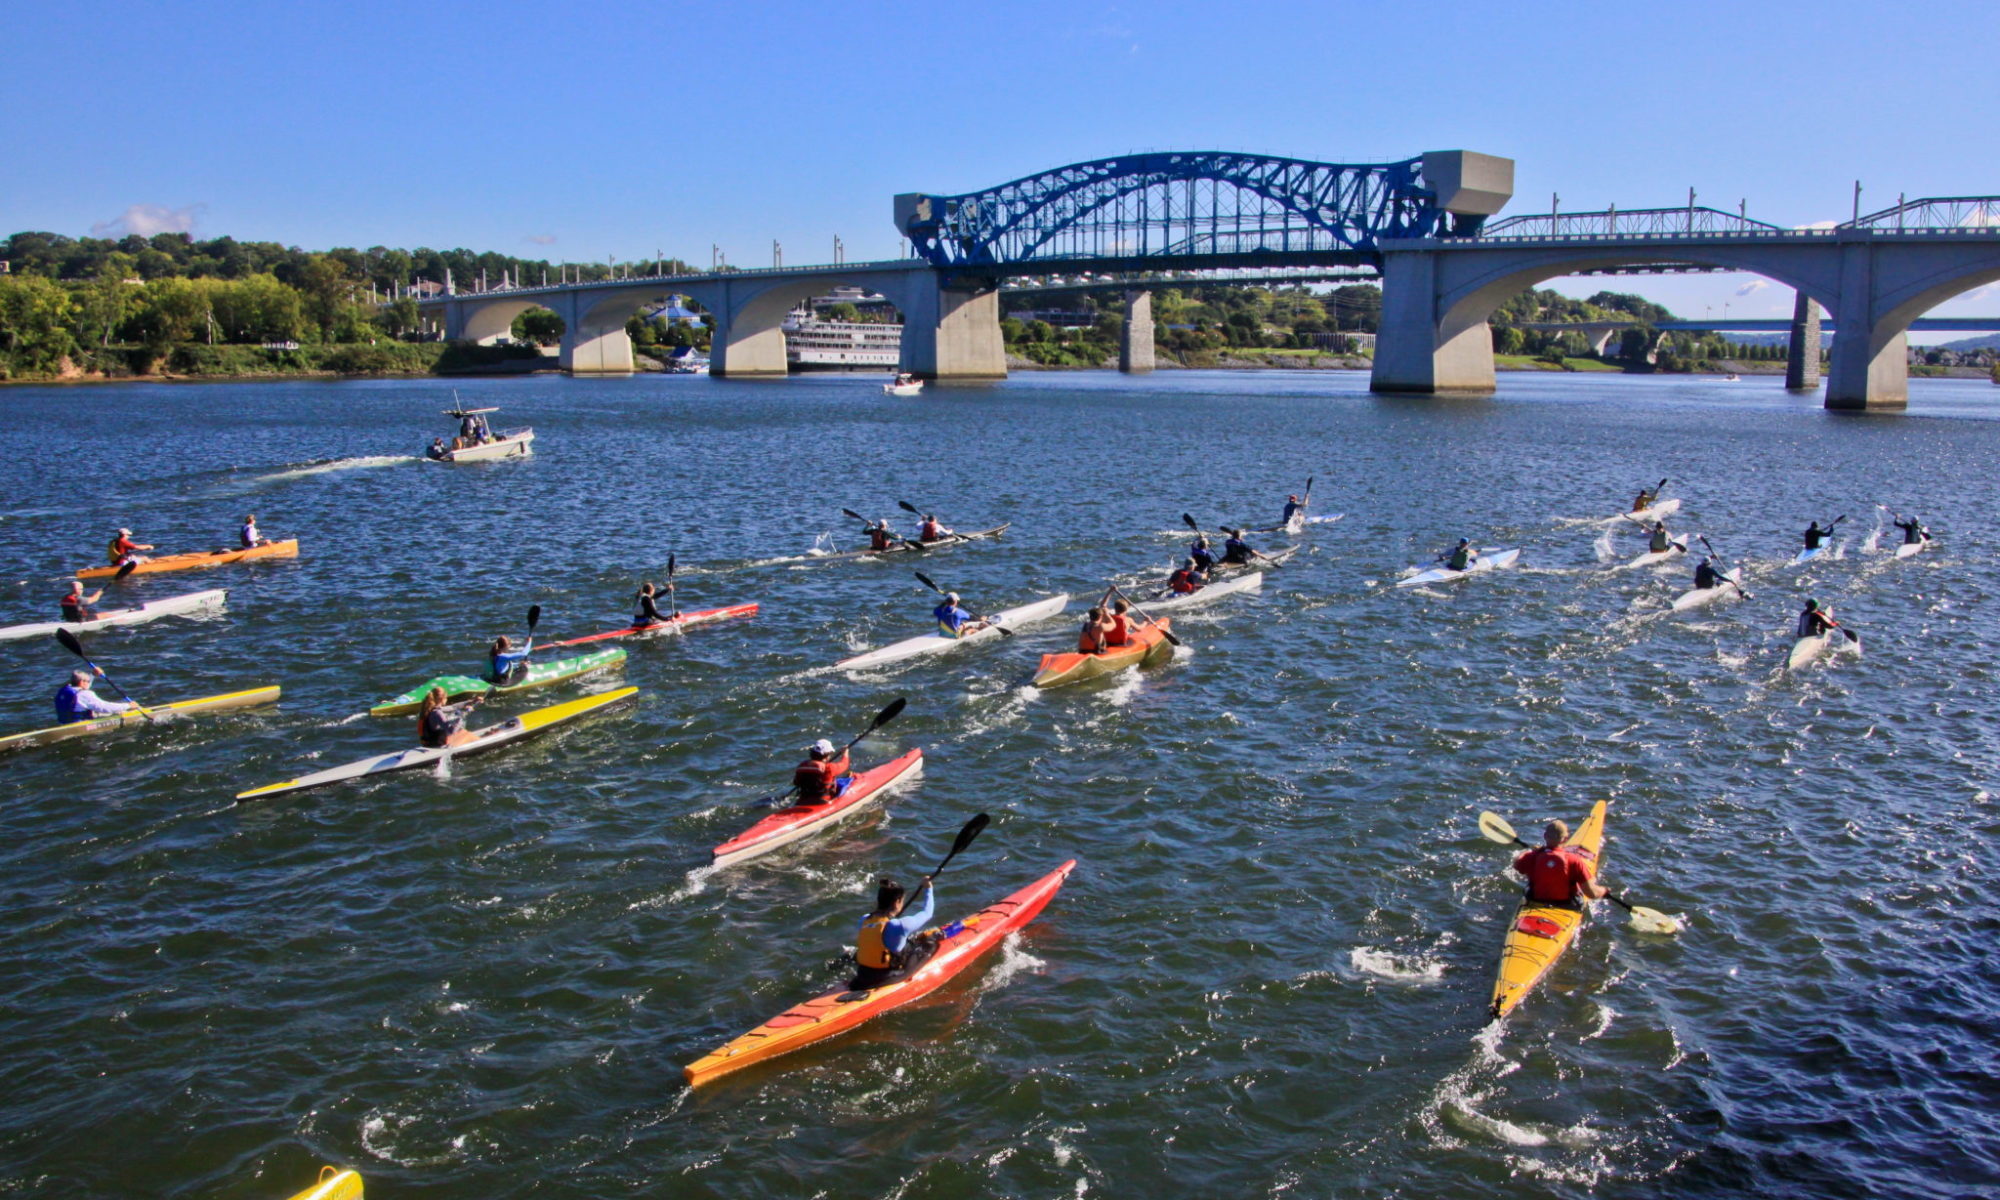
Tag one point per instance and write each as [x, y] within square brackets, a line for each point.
[1553, 874]
[931, 532]
[815, 779]
[1182, 581]
[1121, 633]
[878, 539]
[1091, 640]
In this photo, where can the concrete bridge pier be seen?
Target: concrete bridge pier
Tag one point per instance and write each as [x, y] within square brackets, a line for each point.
[594, 341]
[952, 333]
[1135, 340]
[1418, 349]
[1802, 362]
[1869, 367]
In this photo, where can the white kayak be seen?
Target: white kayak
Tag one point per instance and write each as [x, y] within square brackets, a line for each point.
[1702, 597]
[1808, 555]
[1652, 557]
[524, 726]
[1808, 650]
[1167, 601]
[1665, 508]
[1906, 550]
[938, 643]
[152, 610]
[1480, 565]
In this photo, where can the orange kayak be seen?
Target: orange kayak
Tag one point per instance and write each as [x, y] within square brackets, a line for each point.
[1149, 647]
[837, 1012]
[201, 558]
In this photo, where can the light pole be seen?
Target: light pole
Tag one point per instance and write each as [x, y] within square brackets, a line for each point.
[777, 254]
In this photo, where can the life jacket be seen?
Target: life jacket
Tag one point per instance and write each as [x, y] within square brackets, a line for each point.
[1121, 632]
[1182, 581]
[1706, 577]
[1813, 622]
[870, 950]
[67, 711]
[1203, 556]
[1814, 537]
[950, 617]
[931, 531]
[72, 607]
[116, 550]
[1234, 551]
[1660, 541]
[434, 728]
[1091, 640]
[248, 536]
[878, 539]
[1549, 874]
[815, 780]
[1460, 559]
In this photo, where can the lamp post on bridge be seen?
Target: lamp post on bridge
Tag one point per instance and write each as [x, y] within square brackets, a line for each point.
[777, 254]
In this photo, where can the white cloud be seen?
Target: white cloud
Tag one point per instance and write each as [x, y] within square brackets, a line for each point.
[1755, 285]
[541, 239]
[1818, 225]
[149, 219]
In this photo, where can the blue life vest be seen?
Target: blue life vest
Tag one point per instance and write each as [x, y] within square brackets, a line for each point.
[951, 618]
[67, 711]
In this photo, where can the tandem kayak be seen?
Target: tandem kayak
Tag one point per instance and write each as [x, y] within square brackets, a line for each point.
[152, 610]
[334, 1184]
[670, 625]
[1809, 650]
[1149, 646]
[938, 643]
[1702, 597]
[1541, 932]
[960, 943]
[539, 675]
[203, 558]
[915, 547]
[42, 737]
[1479, 566]
[1808, 555]
[524, 726]
[788, 825]
[1167, 601]
[1652, 557]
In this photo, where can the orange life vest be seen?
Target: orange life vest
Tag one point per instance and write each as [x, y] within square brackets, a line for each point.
[870, 950]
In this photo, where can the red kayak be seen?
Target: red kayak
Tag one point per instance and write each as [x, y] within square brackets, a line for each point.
[959, 945]
[670, 625]
[788, 825]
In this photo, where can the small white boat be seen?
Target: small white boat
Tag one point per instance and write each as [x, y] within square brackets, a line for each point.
[1167, 601]
[1808, 650]
[1652, 557]
[1664, 508]
[905, 384]
[938, 643]
[1480, 565]
[1702, 597]
[517, 443]
[152, 610]
[1906, 550]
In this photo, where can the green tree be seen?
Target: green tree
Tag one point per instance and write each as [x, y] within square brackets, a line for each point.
[35, 315]
[544, 328]
[843, 311]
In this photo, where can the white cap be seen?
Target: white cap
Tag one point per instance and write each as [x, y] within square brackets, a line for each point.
[822, 747]
[951, 596]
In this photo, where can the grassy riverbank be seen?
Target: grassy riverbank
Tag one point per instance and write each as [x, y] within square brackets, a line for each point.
[195, 360]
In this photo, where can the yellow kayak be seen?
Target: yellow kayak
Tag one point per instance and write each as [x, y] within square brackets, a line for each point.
[135, 716]
[1541, 932]
[334, 1184]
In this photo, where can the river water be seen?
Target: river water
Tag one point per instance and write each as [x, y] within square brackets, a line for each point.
[1269, 973]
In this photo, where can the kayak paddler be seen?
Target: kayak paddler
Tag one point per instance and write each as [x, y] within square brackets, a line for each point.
[1189, 579]
[76, 606]
[1294, 507]
[931, 531]
[1202, 555]
[250, 535]
[1558, 874]
[507, 664]
[123, 549]
[1816, 620]
[953, 618]
[1644, 500]
[76, 702]
[1461, 556]
[646, 602]
[821, 777]
[885, 945]
[1814, 535]
[1659, 541]
[1096, 630]
[441, 724]
[1236, 552]
[1705, 574]
[1913, 530]
[1120, 631]
[879, 537]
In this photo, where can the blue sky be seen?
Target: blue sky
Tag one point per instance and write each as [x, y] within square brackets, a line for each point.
[623, 129]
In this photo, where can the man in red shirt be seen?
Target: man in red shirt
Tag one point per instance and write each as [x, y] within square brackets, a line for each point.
[1558, 874]
[823, 776]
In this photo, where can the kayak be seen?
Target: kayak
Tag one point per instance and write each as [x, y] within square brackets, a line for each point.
[938, 643]
[1906, 550]
[1541, 932]
[540, 675]
[916, 547]
[1808, 555]
[670, 625]
[1808, 650]
[1149, 646]
[835, 1013]
[1701, 597]
[42, 737]
[1298, 524]
[786, 826]
[1653, 556]
[334, 1184]
[1665, 508]
[524, 726]
[203, 558]
[1479, 565]
[152, 610]
[1167, 601]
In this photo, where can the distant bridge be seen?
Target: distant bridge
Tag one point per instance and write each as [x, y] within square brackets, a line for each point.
[1142, 222]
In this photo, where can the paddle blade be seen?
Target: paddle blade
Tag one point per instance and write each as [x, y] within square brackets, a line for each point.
[1652, 920]
[69, 642]
[1189, 518]
[127, 568]
[908, 507]
[670, 568]
[857, 516]
[927, 582]
[1309, 484]
[894, 710]
[534, 616]
[971, 830]
[1496, 829]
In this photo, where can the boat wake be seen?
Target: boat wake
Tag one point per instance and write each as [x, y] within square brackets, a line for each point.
[1014, 960]
[1396, 968]
[337, 464]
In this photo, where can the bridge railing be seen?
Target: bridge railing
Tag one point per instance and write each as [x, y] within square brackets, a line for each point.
[1935, 214]
[1632, 223]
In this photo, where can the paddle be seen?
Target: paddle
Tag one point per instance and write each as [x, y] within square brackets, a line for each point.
[865, 521]
[1718, 557]
[534, 619]
[75, 647]
[1645, 920]
[894, 710]
[1165, 632]
[964, 839]
[1004, 631]
[130, 565]
[673, 601]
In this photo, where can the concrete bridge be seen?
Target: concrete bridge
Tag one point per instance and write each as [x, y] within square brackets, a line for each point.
[1142, 222]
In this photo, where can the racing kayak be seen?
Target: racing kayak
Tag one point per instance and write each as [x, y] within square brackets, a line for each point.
[1701, 597]
[786, 826]
[152, 610]
[1298, 524]
[1652, 556]
[1807, 555]
[334, 1184]
[1808, 650]
[1214, 591]
[1665, 508]
[202, 558]
[1149, 646]
[938, 643]
[42, 737]
[670, 625]
[1446, 575]
[1279, 559]
[1541, 932]
[539, 675]
[835, 1013]
[917, 547]
[524, 726]
[1906, 550]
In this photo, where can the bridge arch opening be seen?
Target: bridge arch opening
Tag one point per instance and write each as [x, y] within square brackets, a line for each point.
[759, 320]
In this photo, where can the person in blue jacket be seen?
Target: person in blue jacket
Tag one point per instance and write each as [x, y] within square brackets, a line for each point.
[76, 702]
[509, 665]
[954, 620]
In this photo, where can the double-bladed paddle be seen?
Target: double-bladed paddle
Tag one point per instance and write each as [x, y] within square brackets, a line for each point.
[75, 647]
[1004, 631]
[672, 600]
[888, 714]
[1164, 631]
[865, 521]
[1645, 920]
[534, 619]
[1718, 557]
[964, 839]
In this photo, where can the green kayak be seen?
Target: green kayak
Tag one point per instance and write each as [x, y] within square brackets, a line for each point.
[457, 687]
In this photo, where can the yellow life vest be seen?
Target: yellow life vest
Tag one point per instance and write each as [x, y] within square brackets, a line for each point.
[870, 950]
[111, 552]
